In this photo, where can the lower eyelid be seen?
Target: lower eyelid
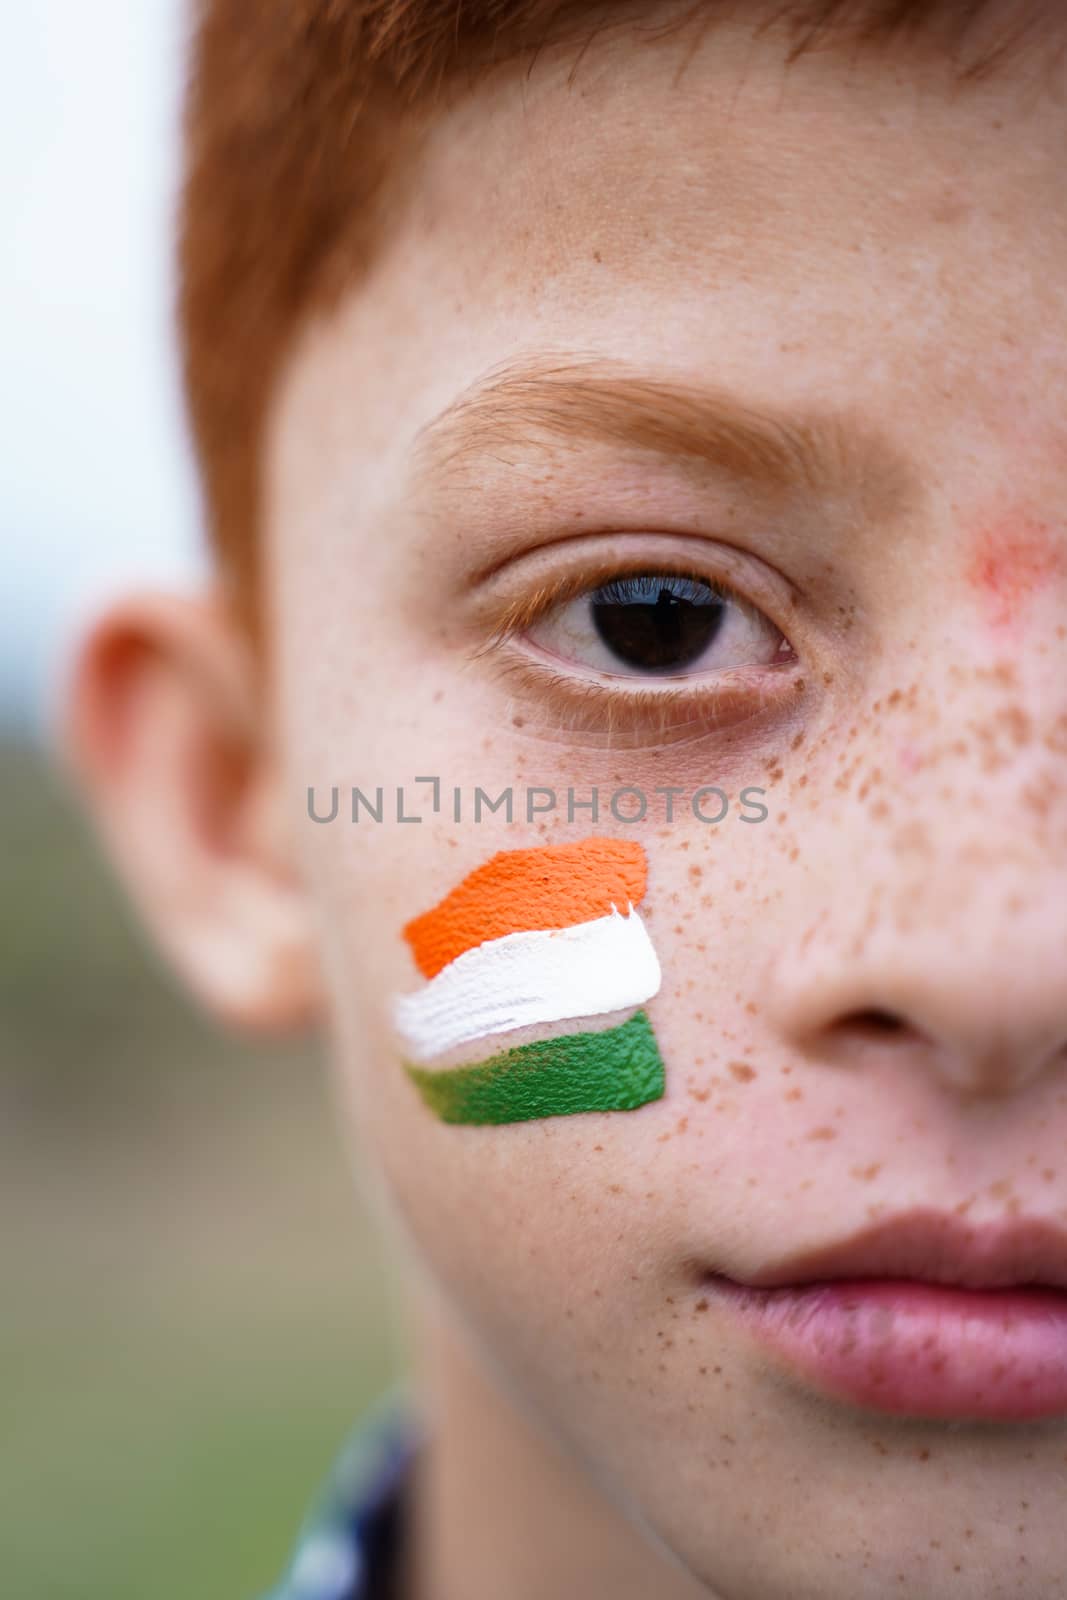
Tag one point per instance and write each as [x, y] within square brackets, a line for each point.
[639, 711]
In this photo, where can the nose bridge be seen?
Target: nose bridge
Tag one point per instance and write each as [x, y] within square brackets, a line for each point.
[944, 920]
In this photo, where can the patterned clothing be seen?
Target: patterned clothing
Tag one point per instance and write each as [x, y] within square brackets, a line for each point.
[349, 1547]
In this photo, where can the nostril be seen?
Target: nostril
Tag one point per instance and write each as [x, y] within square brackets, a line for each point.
[873, 1022]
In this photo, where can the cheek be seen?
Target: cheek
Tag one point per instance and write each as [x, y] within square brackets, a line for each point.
[538, 1234]
[517, 1219]
[598, 1213]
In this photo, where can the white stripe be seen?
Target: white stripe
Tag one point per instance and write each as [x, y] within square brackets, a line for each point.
[532, 977]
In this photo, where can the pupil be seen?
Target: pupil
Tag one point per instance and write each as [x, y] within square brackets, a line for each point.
[659, 624]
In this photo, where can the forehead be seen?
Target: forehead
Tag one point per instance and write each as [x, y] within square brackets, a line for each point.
[691, 203]
[651, 153]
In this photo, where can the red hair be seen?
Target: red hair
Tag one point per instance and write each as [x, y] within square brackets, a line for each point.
[297, 112]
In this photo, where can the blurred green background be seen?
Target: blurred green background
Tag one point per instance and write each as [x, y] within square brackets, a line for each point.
[194, 1310]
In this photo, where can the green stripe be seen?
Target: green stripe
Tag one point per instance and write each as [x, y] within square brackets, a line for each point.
[617, 1069]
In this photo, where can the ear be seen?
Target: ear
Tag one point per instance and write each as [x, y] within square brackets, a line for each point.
[167, 731]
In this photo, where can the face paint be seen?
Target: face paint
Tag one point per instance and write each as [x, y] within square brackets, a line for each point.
[528, 978]
[549, 887]
[535, 937]
[618, 1069]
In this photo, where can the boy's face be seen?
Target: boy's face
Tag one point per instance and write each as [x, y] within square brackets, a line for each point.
[864, 1007]
[854, 271]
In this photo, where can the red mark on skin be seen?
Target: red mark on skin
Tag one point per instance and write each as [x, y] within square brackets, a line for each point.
[1011, 563]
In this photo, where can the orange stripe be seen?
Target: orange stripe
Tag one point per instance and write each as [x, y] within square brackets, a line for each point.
[523, 890]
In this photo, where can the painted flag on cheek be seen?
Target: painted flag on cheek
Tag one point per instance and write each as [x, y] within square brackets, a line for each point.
[532, 938]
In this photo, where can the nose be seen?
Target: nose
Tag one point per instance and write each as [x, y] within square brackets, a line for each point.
[960, 974]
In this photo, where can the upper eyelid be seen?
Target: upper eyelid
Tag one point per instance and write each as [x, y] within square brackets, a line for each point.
[724, 566]
[549, 600]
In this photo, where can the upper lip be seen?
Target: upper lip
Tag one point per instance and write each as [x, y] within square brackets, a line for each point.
[933, 1247]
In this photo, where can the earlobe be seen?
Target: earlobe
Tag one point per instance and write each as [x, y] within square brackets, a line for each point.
[167, 731]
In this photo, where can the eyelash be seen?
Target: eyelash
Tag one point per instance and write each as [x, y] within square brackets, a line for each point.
[527, 610]
[629, 710]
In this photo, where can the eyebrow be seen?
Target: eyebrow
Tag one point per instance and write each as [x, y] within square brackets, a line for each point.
[528, 400]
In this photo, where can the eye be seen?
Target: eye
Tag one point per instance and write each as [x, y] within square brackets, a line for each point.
[659, 624]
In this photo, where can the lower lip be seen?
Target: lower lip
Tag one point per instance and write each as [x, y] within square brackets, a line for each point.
[918, 1349]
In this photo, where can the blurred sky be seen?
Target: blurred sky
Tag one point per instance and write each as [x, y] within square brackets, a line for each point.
[95, 483]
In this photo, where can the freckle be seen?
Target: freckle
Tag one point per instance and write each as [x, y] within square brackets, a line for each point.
[794, 1094]
[696, 872]
[741, 1071]
[822, 1133]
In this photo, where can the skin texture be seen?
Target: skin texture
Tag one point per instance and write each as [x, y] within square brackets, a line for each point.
[866, 247]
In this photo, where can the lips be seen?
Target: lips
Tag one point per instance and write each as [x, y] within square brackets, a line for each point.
[932, 1247]
[921, 1315]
